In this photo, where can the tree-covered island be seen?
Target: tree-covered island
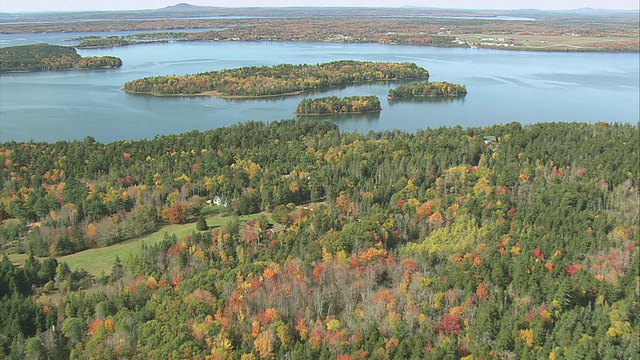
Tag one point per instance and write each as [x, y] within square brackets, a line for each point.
[42, 57]
[427, 89]
[336, 105]
[283, 79]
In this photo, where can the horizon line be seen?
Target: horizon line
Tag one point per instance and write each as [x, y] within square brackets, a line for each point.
[307, 6]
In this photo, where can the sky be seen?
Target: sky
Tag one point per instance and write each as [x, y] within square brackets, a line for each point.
[81, 5]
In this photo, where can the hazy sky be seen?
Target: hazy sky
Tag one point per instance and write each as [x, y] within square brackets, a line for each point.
[70, 5]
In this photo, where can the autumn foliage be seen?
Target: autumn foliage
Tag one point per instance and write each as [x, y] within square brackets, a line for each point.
[176, 213]
[475, 262]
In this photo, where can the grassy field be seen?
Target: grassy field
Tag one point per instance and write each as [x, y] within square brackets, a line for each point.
[97, 260]
[544, 43]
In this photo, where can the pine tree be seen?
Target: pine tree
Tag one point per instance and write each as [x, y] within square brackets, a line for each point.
[201, 225]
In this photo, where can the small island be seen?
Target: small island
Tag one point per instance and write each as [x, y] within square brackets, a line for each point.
[283, 79]
[427, 89]
[43, 57]
[336, 105]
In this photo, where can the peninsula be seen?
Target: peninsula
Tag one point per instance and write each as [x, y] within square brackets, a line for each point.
[43, 57]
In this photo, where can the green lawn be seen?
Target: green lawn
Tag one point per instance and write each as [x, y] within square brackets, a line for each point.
[97, 260]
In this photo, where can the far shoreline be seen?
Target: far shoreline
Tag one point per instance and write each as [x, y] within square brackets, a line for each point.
[550, 49]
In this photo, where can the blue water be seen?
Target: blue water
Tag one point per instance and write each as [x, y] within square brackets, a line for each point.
[504, 86]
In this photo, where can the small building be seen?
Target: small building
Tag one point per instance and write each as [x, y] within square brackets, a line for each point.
[273, 229]
[490, 140]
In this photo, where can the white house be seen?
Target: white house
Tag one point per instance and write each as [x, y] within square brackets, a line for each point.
[220, 201]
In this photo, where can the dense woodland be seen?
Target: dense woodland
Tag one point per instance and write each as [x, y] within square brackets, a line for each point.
[386, 245]
[428, 89]
[283, 79]
[39, 57]
[336, 105]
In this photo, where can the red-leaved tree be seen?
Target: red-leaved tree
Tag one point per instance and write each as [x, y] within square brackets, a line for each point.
[176, 213]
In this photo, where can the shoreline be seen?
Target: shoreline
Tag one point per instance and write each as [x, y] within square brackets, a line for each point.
[340, 113]
[425, 96]
[67, 69]
[212, 94]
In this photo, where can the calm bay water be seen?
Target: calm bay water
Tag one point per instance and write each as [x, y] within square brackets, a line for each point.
[503, 86]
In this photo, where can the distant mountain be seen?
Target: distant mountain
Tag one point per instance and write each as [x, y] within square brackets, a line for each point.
[181, 5]
[185, 7]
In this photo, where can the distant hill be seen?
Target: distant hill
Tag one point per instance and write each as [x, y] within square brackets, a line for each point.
[182, 7]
